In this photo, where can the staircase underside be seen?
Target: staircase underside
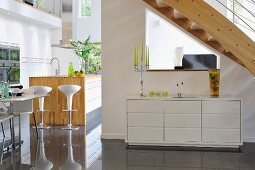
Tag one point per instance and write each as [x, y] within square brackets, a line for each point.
[210, 27]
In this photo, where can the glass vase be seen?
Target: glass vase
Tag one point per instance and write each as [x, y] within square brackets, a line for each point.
[214, 78]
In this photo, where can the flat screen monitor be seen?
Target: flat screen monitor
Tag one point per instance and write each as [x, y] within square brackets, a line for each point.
[199, 61]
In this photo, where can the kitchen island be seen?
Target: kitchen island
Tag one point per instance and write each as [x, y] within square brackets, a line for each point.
[83, 101]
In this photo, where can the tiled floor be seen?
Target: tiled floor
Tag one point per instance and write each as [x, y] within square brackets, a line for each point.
[89, 152]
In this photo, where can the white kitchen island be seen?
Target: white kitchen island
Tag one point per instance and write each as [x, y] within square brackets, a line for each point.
[190, 121]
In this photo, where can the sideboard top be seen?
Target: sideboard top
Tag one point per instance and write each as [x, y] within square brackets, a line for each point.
[185, 98]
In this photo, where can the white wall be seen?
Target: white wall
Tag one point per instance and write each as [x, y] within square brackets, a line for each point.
[65, 56]
[163, 38]
[91, 25]
[123, 23]
[35, 45]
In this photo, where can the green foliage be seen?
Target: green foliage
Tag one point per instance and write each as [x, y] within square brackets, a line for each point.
[82, 49]
[88, 51]
[95, 60]
[85, 7]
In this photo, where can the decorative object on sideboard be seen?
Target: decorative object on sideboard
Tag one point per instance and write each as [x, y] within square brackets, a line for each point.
[214, 77]
[158, 94]
[178, 57]
[142, 65]
[179, 89]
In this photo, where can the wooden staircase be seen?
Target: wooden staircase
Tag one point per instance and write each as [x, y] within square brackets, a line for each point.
[210, 27]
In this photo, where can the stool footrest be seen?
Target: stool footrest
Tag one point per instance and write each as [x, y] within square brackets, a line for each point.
[43, 110]
[70, 128]
[70, 110]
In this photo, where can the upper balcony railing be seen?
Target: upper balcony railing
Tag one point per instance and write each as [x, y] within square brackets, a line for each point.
[53, 7]
[242, 14]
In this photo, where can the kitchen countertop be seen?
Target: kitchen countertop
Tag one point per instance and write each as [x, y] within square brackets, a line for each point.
[87, 76]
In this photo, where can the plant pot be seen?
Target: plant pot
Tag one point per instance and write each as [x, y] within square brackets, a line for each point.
[214, 78]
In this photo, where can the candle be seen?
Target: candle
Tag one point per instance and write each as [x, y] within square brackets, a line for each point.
[142, 50]
[135, 64]
[148, 56]
[147, 61]
[137, 56]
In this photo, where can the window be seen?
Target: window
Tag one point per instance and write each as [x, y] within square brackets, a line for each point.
[85, 8]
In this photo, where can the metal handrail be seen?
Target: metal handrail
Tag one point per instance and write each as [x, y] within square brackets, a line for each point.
[236, 15]
[253, 22]
[252, 1]
[244, 8]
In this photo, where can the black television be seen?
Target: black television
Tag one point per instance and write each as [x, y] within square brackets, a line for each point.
[199, 61]
[29, 2]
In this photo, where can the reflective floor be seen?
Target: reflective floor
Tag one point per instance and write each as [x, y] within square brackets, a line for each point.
[67, 150]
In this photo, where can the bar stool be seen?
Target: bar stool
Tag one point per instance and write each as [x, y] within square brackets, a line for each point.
[69, 90]
[41, 90]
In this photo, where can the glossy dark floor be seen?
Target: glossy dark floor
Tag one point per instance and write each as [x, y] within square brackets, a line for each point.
[59, 149]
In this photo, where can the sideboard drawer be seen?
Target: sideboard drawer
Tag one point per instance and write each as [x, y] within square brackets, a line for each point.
[145, 106]
[221, 106]
[221, 121]
[145, 134]
[183, 120]
[221, 135]
[183, 135]
[143, 120]
[182, 107]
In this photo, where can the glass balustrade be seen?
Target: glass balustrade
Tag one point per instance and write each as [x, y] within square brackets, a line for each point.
[53, 7]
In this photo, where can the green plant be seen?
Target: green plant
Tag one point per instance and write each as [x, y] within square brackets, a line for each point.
[82, 49]
[88, 52]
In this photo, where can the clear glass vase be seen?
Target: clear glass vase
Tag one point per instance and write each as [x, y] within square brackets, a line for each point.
[84, 65]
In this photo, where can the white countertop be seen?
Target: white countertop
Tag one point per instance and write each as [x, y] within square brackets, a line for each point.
[190, 98]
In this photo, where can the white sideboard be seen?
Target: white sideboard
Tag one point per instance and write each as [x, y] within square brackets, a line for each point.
[200, 121]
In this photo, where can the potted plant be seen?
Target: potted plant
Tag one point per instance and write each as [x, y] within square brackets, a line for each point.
[83, 50]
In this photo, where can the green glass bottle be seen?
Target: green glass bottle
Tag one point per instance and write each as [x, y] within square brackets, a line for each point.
[70, 70]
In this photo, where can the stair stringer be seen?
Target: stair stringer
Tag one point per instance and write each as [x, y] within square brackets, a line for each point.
[220, 28]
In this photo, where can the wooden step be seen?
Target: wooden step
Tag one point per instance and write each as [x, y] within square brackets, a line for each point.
[178, 15]
[194, 26]
[183, 22]
[167, 11]
[161, 3]
[211, 38]
[216, 45]
[200, 34]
